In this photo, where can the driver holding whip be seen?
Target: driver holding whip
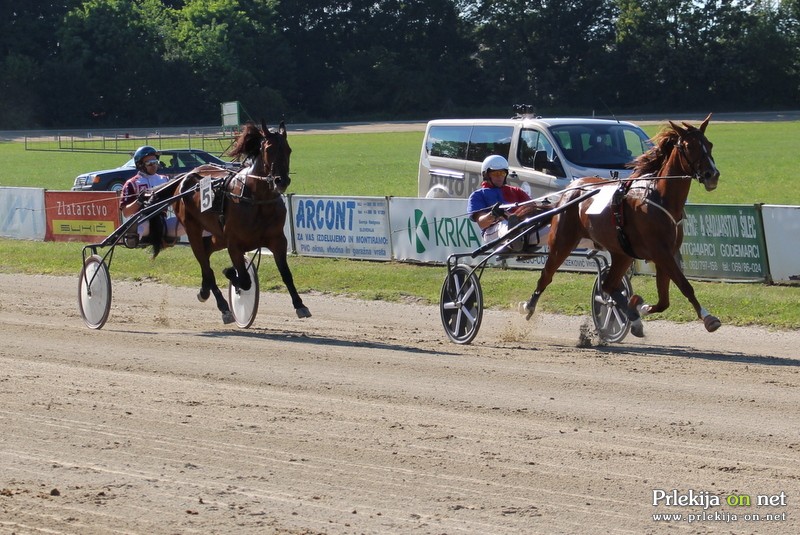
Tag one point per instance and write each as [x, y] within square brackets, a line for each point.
[485, 205]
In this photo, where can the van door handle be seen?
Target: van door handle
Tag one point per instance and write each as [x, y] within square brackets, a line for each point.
[513, 174]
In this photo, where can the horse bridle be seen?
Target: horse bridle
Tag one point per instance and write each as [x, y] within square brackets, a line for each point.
[694, 166]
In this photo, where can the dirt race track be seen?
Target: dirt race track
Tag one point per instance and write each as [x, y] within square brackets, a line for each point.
[363, 419]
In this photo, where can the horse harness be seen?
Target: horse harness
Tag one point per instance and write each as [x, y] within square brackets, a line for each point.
[236, 189]
[618, 211]
[617, 206]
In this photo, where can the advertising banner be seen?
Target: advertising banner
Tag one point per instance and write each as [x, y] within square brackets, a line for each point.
[782, 230]
[721, 242]
[22, 213]
[430, 230]
[341, 227]
[87, 216]
[579, 261]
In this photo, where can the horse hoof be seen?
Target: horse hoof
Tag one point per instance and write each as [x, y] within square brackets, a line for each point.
[303, 312]
[227, 317]
[201, 297]
[637, 329]
[525, 309]
[712, 323]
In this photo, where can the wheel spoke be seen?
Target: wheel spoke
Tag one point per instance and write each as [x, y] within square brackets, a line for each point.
[468, 293]
[457, 330]
[617, 316]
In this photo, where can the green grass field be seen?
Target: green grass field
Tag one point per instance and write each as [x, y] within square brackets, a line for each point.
[756, 161]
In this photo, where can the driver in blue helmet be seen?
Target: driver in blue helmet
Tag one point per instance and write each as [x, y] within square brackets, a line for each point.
[485, 208]
[159, 229]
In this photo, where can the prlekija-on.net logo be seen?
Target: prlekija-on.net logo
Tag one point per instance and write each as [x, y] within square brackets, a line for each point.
[418, 232]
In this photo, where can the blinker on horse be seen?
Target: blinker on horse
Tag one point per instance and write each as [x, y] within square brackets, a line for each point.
[251, 214]
[642, 220]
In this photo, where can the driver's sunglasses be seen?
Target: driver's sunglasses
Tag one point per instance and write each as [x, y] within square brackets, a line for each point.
[152, 162]
[498, 173]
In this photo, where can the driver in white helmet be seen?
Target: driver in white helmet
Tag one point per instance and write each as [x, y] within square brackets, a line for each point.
[133, 197]
[484, 204]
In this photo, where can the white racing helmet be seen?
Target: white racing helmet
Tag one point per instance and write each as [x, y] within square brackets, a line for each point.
[493, 163]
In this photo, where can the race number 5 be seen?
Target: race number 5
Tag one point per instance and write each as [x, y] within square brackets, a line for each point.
[206, 195]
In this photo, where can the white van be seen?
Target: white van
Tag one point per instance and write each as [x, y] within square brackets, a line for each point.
[544, 155]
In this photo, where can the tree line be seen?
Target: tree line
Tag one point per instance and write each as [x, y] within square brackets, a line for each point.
[112, 63]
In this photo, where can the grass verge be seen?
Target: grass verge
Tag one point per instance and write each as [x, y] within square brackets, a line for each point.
[734, 303]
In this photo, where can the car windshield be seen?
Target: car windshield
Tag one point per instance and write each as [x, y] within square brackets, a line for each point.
[181, 159]
[601, 146]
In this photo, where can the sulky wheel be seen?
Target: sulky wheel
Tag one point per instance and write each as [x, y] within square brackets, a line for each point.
[94, 292]
[610, 321]
[244, 303]
[461, 305]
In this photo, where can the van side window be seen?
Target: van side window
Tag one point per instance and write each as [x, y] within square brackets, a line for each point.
[488, 140]
[536, 152]
[448, 141]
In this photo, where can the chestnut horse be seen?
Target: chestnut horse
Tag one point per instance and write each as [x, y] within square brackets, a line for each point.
[638, 217]
[250, 213]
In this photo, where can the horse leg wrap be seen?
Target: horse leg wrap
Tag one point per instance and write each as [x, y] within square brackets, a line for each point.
[242, 282]
[529, 307]
[631, 311]
[636, 302]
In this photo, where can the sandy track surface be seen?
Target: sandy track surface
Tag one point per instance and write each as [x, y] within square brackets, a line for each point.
[363, 419]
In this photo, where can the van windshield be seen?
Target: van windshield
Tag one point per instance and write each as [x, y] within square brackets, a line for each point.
[600, 146]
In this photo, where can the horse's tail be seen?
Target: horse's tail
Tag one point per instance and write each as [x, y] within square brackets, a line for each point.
[158, 229]
[158, 223]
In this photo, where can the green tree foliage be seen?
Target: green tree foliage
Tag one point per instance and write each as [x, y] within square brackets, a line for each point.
[110, 63]
[76, 63]
[365, 58]
[233, 51]
[28, 43]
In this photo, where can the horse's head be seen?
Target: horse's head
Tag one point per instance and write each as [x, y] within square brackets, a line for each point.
[695, 150]
[268, 151]
[275, 155]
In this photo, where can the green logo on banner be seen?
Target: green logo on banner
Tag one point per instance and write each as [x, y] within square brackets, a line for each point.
[418, 230]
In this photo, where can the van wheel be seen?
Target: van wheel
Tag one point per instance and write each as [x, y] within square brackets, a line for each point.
[438, 192]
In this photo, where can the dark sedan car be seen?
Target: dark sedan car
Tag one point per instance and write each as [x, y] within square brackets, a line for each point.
[173, 162]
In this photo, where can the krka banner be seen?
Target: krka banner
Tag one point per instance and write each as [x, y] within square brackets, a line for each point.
[430, 230]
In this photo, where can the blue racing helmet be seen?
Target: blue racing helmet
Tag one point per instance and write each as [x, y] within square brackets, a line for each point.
[141, 152]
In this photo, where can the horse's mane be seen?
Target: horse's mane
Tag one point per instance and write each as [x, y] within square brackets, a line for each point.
[652, 160]
[248, 143]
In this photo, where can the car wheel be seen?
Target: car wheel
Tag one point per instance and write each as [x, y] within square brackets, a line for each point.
[116, 186]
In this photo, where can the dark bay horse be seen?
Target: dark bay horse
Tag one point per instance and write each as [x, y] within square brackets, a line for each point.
[638, 217]
[249, 213]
